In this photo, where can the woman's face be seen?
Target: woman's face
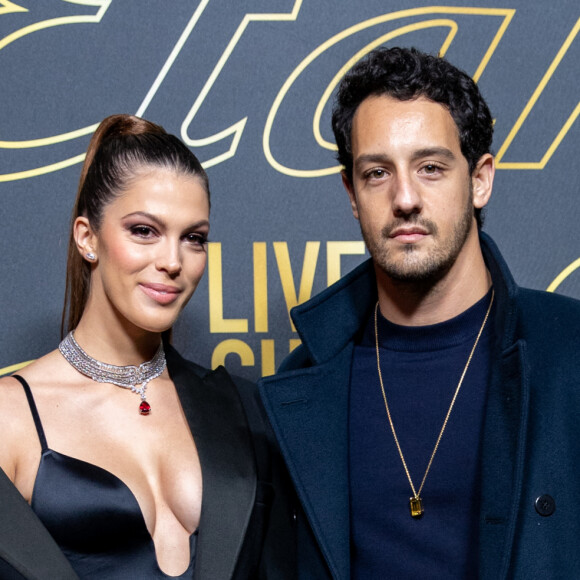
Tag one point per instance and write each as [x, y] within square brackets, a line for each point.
[151, 250]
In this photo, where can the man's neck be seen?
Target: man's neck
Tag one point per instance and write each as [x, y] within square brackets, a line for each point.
[432, 301]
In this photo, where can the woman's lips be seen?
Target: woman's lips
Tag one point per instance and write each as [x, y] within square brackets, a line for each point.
[161, 293]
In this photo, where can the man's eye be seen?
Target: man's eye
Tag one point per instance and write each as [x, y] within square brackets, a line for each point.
[431, 168]
[376, 173]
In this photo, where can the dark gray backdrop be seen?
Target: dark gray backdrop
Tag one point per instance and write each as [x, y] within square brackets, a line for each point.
[241, 83]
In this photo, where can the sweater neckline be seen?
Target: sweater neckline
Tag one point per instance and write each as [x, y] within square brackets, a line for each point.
[447, 334]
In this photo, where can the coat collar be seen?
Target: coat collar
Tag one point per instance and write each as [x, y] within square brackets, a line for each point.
[344, 306]
[506, 291]
[347, 305]
[218, 424]
[505, 426]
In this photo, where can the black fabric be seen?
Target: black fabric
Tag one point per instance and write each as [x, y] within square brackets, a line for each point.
[247, 527]
[271, 527]
[93, 516]
[232, 433]
[8, 572]
[26, 549]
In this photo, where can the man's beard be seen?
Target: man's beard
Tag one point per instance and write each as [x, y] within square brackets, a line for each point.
[414, 267]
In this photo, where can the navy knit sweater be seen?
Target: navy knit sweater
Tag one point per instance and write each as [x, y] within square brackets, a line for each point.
[421, 367]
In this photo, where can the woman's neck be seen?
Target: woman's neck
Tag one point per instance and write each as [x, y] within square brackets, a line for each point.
[116, 345]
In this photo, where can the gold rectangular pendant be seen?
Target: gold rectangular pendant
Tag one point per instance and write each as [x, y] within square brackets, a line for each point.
[416, 506]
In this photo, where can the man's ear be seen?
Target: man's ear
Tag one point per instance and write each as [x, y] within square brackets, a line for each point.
[351, 194]
[85, 239]
[482, 180]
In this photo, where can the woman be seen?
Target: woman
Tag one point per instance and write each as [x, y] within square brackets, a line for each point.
[140, 464]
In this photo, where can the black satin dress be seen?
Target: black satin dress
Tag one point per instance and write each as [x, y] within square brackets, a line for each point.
[94, 517]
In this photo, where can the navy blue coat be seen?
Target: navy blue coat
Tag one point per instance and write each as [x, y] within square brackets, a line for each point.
[531, 440]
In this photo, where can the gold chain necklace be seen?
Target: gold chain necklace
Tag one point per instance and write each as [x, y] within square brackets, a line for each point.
[415, 502]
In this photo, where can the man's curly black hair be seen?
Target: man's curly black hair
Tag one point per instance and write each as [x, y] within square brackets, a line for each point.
[405, 74]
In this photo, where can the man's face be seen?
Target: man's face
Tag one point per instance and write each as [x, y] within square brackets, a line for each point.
[411, 188]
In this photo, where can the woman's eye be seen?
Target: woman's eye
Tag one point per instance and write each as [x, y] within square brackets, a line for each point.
[142, 231]
[197, 239]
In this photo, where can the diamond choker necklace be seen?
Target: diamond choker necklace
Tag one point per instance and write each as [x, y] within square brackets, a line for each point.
[127, 377]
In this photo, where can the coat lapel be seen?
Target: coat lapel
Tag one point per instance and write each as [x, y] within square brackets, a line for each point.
[218, 424]
[503, 461]
[311, 405]
[25, 544]
[505, 427]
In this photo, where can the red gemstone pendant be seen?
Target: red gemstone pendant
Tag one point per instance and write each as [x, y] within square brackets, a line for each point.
[144, 408]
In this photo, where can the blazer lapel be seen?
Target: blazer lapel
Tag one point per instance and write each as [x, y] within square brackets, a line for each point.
[25, 544]
[218, 423]
[312, 405]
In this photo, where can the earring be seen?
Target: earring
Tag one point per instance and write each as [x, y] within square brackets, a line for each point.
[90, 256]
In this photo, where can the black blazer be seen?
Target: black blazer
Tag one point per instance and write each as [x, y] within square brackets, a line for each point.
[246, 525]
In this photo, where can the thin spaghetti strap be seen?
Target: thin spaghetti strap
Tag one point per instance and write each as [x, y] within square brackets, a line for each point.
[34, 411]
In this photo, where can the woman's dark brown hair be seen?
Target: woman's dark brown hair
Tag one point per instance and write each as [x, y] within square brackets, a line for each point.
[122, 148]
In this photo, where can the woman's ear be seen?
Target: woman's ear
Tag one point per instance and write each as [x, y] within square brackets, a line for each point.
[85, 239]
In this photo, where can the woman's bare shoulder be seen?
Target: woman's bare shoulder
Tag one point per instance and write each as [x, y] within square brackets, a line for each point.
[43, 371]
[17, 430]
[20, 449]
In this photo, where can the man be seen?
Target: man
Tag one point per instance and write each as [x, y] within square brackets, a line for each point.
[428, 419]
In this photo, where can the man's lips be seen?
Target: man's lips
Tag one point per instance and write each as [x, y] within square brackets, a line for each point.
[408, 235]
[161, 293]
